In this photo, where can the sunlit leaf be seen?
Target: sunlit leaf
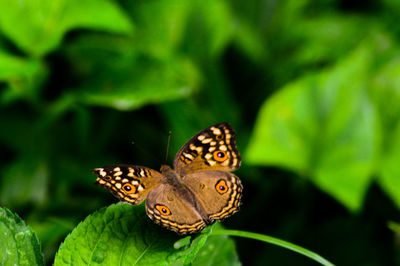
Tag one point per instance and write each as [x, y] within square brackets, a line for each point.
[37, 27]
[217, 250]
[210, 28]
[323, 126]
[149, 82]
[159, 35]
[18, 245]
[23, 77]
[122, 234]
[386, 93]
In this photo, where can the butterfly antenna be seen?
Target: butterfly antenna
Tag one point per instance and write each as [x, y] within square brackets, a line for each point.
[169, 140]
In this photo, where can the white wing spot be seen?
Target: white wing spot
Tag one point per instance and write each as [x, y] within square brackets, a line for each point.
[208, 156]
[188, 155]
[223, 148]
[118, 185]
[205, 141]
[212, 163]
[118, 173]
[125, 180]
[201, 137]
[117, 169]
[217, 131]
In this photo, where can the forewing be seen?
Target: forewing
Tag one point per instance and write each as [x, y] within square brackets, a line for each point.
[129, 183]
[213, 148]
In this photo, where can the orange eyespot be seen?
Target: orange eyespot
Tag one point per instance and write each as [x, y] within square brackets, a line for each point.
[219, 137]
[221, 187]
[128, 188]
[107, 177]
[163, 209]
[219, 156]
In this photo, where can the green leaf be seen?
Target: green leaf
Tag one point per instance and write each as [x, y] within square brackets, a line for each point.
[385, 90]
[18, 245]
[322, 126]
[143, 83]
[210, 27]
[38, 27]
[122, 234]
[23, 77]
[389, 168]
[217, 250]
[316, 34]
[160, 35]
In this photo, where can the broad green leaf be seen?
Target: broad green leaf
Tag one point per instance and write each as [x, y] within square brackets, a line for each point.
[389, 167]
[316, 35]
[122, 234]
[149, 81]
[23, 77]
[322, 126]
[217, 250]
[250, 42]
[38, 26]
[385, 90]
[210, 27]
[18, 244]
[158, 35]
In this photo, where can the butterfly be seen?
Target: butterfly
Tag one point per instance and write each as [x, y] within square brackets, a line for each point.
[199, 190]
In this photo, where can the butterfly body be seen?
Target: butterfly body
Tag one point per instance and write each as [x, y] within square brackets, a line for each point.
[199, 189]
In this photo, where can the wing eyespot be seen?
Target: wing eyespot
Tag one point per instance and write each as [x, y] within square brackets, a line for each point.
[164, 210]
[129, 189]
[219, 156]
[221, 186]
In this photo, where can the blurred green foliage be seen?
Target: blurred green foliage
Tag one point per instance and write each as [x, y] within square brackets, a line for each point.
[311, 87]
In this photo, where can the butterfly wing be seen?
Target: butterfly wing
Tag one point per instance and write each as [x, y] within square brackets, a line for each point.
[218, 193]
[129, 183]
[213, 148]
[174, 208]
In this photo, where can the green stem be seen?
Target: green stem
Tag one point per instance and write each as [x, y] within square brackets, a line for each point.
[274, 241]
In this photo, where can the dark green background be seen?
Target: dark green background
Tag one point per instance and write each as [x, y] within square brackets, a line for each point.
[312, 89]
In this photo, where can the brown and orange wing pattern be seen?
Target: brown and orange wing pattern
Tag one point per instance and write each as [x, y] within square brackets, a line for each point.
[129, 183]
